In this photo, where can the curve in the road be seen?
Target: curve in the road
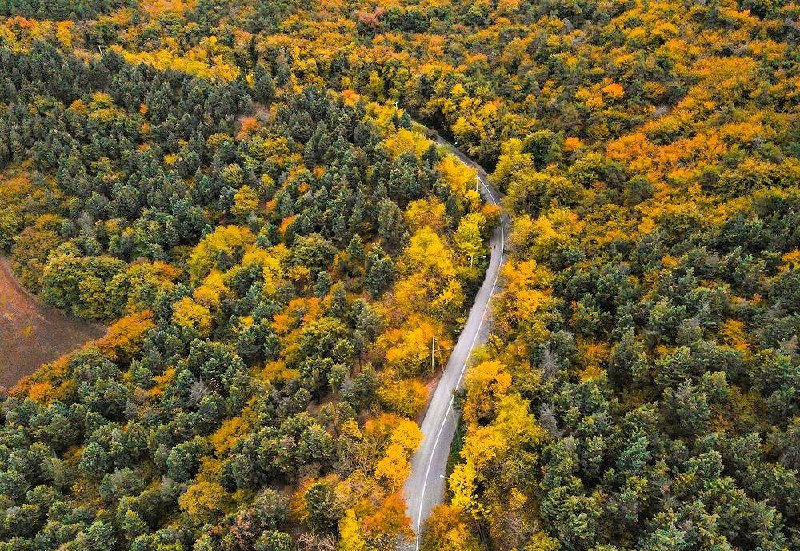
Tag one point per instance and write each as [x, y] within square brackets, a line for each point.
[424, 488]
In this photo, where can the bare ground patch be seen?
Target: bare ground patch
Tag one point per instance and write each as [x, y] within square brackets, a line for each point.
[32, 333]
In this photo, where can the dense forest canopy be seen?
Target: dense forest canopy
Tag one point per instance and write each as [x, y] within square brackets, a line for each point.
[238, 189]
[273, 274]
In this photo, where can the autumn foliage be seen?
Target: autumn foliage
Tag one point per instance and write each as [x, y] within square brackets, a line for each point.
[284, 258]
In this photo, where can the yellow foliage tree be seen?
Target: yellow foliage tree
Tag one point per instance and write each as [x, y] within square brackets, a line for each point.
[513, 429]
[468, 238]
[486, 383]
[427, 253]
[209, 293]
[408, 350]
[404, 397]
[425, 212]
[448, 528]
[511, 160]
[126, 336]
[188, 314]
[350, 533]
[389, 522]
[225, 239]
[449, 303]
[245, 201]
[526, 290]
[393, 469]
[405, 140]
[205, 501]
[460, 178]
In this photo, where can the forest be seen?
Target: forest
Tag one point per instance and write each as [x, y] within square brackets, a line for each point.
[244, 194]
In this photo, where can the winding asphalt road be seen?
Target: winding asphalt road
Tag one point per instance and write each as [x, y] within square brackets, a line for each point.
[424, 488]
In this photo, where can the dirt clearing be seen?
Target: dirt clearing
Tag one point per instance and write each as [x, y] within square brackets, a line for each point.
[32, 333]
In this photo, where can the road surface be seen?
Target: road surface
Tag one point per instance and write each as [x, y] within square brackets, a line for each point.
[424, 488]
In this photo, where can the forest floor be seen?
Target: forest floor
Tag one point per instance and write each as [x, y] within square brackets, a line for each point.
[32, 333]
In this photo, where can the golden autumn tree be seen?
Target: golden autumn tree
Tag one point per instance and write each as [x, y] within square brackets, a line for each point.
[448, 528]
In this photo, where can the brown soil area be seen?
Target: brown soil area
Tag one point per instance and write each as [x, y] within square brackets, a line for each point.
[32, 333]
